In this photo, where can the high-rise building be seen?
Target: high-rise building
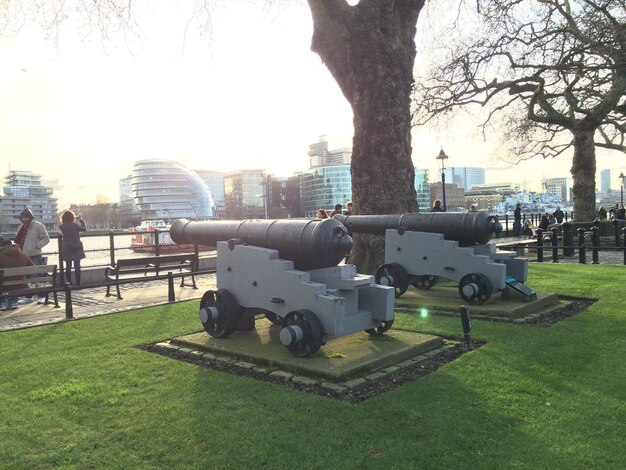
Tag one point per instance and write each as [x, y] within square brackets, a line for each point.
[23, 189]
[284, 197]
[605, 181]
[129, 216]
[320, 156]
[323, 187]
[455, 196]
[422, 188]
[215, 181]
[465, 177]
[165, 189]
[559, 188]
[245, 194]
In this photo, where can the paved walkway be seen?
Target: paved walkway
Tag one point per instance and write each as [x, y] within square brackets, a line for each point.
[90, 302]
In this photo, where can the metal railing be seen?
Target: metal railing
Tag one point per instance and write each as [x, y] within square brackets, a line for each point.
[568, 247]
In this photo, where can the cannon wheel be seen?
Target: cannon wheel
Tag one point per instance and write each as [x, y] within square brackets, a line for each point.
[379, 330]
[475, 288]
[312, 329]
[228, 312]
[275, 319]
[424, 282]
[395, 273]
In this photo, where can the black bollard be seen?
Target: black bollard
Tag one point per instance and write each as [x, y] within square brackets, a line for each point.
[555, 244]
[540, 245]
[568, 238]
[467, 325]
[171, 295]
[595, 244]
[69, 310]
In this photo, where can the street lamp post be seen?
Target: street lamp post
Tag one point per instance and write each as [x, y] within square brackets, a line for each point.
[442, 157]
[621, 177]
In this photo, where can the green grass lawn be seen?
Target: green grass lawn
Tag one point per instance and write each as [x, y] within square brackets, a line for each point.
[82, 395]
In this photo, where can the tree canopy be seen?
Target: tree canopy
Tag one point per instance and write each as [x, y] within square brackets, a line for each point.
[552, 71]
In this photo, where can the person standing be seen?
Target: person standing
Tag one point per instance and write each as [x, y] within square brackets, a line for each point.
[517, 220]
[436, 206]
[558, 215]
[349, 208]
[338, 210]
[11, 256]
[72, 247]
[31, 238]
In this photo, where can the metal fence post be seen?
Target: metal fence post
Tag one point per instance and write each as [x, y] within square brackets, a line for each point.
[582, 258]
[506, 224]
[555, 245]
[595, 244]
[616, 231]
[61, 268]
[624, 245]
[157, 245]
[112, 247]
[540, 245]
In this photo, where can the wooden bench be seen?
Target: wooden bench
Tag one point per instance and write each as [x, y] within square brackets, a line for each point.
[132, 268]
[43, 278]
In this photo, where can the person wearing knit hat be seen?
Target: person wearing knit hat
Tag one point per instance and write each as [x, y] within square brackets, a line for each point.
[31, 237]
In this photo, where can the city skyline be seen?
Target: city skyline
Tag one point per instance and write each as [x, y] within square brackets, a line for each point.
[81, 111]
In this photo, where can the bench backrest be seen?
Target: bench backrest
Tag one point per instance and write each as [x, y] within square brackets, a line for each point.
[46, 274]
[155, 261]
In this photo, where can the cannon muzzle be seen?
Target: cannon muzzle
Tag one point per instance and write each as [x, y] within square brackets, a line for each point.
[310, 244]
[468, 228]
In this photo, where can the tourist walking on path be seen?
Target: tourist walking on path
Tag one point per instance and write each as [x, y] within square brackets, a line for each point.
[517, 220]
[12, 256]
[31, 237]
[71, 246]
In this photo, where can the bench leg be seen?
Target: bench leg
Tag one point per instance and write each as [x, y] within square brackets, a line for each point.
[193, 281]
[119, 295]
[108, 294]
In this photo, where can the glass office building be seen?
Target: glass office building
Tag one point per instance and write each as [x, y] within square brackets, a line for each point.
[165, 189]
[324, 187]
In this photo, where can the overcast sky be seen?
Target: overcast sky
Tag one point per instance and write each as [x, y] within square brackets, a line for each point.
[250, 94]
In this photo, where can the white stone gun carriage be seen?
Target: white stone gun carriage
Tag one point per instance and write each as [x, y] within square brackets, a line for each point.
[420, 248]
[287, 269]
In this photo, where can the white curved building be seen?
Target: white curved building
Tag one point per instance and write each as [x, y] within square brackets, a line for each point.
[165, 189]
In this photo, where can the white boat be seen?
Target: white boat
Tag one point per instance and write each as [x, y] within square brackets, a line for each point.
[145, 236]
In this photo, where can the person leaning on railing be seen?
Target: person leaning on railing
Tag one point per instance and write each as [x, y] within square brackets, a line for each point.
[72, 246]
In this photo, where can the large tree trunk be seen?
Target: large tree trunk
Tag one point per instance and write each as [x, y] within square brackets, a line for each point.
[370, 51]
[584, 173]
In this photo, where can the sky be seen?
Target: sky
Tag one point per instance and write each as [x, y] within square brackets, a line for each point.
[249, 93]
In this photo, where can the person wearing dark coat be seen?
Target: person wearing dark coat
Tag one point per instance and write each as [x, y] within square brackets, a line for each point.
[543, 225]
[558, 215]
[436, 206]
[12, 256]
[71, 245]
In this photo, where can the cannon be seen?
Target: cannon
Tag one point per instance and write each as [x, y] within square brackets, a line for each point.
[289, 270]
[420, 248]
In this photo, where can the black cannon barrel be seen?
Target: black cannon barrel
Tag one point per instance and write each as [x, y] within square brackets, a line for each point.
[468, 228]
[310, 244]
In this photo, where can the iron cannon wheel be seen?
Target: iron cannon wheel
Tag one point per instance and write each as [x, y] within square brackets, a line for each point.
[312, 332]
[424, 282]
[228, 312]
[475, 288]
[397, 274]
[379, 330]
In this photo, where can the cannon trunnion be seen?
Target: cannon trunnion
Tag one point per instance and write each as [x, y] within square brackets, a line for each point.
[421, 248]
[288, 270]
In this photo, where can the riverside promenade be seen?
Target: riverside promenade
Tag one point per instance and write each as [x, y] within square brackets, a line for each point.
[89, 302]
